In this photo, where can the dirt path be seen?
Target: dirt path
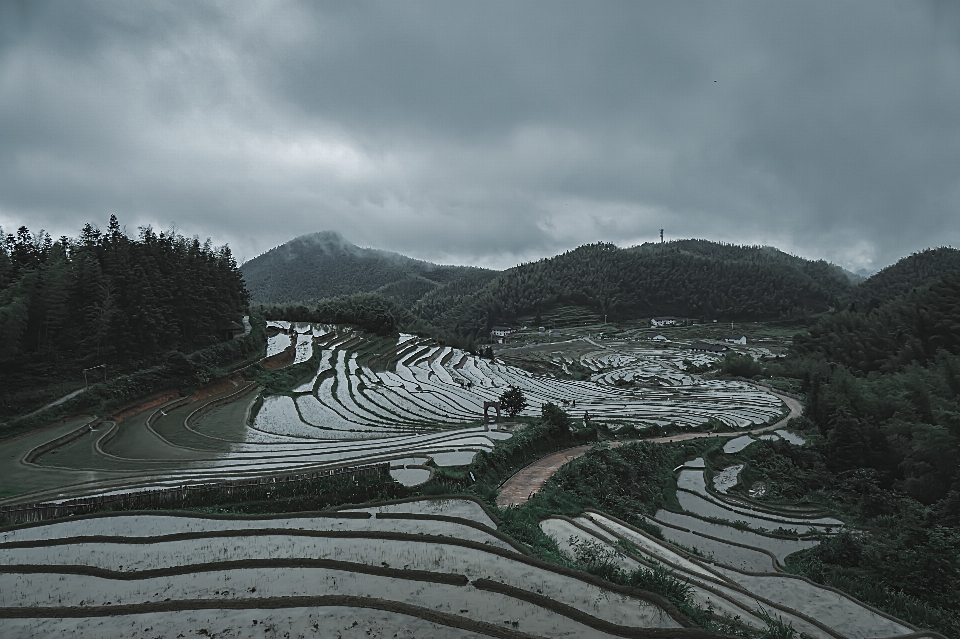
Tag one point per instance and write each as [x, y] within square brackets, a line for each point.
[518, 489]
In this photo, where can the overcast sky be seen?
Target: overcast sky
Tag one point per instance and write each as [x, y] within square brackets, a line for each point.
[488, 133]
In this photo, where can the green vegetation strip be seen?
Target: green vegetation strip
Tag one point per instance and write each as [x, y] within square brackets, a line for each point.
[450, 579]
[799, 512]
[187, 495]
[268, 603]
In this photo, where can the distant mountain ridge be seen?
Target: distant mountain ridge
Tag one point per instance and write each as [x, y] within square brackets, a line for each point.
[324, 265]
[691, 278]
[698, 279]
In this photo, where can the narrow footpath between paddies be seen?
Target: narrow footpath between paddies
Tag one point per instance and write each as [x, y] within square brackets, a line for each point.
[528, 480]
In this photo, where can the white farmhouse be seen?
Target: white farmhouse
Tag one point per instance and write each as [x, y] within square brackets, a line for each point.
[666, 320]
[736, 339]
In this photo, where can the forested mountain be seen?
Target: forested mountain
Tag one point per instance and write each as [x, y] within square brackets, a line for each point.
[883, 387]
[913, 327]
[107, 298]
[691, 278]
[323, 265]
[830, 275]
[912, 271]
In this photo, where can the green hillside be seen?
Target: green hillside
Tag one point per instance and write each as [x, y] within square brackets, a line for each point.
[696, 279]
[323, 265]
[691, 278]
[828, 274]
[912, 271]
[911, 328]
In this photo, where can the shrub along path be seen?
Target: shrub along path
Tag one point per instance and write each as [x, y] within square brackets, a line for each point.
[518, 489]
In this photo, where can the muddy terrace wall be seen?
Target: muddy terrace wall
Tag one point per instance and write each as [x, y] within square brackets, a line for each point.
[178, 496]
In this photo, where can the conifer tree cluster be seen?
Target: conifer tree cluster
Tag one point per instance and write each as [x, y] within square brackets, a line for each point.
[107, 298]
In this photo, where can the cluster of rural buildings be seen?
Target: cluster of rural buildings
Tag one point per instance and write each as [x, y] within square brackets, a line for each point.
[499, 334]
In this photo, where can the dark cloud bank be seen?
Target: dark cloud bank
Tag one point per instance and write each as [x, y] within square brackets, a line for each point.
[488, 133]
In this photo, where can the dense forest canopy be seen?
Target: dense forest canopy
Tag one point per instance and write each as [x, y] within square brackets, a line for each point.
[108, 298]
[883, 388]
[699, 279]
[324, 265]
[912, 271]
[830, 275]
[372, 313]
[724, 283]
[912, 327]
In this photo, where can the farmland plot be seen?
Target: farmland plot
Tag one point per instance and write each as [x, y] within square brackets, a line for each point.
[228, 572]
[460, 508]
[741, 590]
[153, 525]
[705, 504]
[278, 343]
[418, 399]
[780, 548]
[411, 476]
[566, 534]
[440, 385]
[304, 347]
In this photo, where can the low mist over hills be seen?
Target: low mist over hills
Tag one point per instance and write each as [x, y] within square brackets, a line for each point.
[323, 265]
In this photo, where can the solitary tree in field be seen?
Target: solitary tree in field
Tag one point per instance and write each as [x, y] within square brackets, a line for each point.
[513, 401]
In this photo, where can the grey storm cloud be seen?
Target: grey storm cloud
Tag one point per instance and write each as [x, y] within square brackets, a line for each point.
[488, 133]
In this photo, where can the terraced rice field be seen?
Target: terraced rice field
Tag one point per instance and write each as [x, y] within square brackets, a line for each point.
[732, 576]
[417, 568]
[366, 400]
[402, 570]
[737, 569]
[442, 385]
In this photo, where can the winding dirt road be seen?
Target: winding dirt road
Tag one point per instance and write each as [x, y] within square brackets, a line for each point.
[518, 489]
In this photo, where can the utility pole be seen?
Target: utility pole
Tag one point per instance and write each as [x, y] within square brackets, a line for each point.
[86, 384]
